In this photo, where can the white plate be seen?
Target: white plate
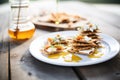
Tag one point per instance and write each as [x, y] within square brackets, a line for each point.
[111, 49]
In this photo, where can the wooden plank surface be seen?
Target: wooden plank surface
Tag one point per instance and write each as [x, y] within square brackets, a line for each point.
[3, 47]
[25, 67]
[92, 11]
[110, 8]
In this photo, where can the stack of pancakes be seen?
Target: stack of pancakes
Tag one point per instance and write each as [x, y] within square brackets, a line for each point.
[79, 46]
[93, 33]
[89, 40]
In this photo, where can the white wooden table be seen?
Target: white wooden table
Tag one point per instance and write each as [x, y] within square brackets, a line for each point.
[16, 62]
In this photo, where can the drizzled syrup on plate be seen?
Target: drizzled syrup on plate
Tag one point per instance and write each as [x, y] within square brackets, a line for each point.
[74, 57]
[95, 54]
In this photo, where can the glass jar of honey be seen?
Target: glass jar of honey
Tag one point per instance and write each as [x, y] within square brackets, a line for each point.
[20, 27]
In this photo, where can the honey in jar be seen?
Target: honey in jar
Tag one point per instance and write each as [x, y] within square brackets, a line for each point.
[24, 31]
[20, 28]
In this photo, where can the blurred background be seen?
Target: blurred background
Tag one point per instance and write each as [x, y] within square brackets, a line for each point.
[89, 1]
[112, 6]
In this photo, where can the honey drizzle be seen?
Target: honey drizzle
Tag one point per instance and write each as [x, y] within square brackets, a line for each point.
[57, 20]
[95, 54]
[17, 29]
[74, 57]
